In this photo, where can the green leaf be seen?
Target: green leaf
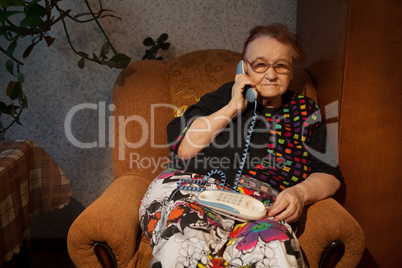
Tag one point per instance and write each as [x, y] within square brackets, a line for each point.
[30, 5]
[13, 90]
[21, 77]
[95, 58]
[11, 48]
[10, 66]
[24, 102]
[28, 50]
[8, 29]
[4, 29]
[49, 40]
[105, 48]
[148, 42]
[148, 56]
[165, 46]
[83, 54]
[162, 38]
[32, 22]
[10, 3]
[17, 120]
[154, 49]
[35, 10]
[8, 109]
[3, 108]
[6, 14]
[81, 63]
[13, 110]
[119, 61]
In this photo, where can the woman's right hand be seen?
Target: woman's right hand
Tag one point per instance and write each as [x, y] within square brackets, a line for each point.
[238, 102]
[204, 129]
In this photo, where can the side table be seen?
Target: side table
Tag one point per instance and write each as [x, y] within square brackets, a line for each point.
[30, 182]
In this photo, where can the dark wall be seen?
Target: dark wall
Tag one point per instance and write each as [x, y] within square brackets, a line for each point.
[356, 59]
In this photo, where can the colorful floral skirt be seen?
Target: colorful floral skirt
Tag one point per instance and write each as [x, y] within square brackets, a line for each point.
[183, 233]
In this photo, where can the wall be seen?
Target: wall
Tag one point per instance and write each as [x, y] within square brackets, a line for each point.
[54, 84]
[371, 127]
[355, 47]
[322, 26]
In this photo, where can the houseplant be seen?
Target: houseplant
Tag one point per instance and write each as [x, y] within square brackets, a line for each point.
[35, 19]
[155, 45]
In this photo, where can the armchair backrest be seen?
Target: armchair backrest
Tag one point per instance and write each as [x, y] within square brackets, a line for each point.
[148, 94]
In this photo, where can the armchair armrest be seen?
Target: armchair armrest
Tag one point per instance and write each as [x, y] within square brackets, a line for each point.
[327, 221]
[112, 219]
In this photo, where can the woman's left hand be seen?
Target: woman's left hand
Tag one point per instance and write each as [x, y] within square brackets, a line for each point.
[290, 202]
[288, 206]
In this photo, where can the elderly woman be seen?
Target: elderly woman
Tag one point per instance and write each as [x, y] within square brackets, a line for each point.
[274, 150]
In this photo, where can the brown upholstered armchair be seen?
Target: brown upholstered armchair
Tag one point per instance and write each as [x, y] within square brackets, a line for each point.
[147, 95]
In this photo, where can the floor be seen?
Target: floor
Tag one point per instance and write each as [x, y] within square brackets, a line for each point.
[42, 254]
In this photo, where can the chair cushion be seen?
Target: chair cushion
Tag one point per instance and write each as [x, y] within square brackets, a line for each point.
[194, 74]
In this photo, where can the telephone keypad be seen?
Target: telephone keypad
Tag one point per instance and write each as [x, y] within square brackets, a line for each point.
[225, 197]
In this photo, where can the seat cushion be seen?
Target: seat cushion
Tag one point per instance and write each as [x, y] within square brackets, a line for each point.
[194, 74]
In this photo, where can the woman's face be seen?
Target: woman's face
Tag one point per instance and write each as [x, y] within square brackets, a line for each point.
[269, 84]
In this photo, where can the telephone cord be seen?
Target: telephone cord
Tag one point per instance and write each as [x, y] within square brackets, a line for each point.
[248, 139]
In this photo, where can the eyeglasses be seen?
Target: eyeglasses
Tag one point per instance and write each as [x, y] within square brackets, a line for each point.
[261, 66]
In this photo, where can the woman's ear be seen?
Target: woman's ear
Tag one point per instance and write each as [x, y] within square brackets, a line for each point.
[245, 67]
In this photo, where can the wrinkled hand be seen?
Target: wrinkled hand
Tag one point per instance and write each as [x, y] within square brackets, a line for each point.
[288, 206]
[238, 102]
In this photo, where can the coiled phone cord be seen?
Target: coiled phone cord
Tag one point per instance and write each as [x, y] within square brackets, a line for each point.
[248, 139]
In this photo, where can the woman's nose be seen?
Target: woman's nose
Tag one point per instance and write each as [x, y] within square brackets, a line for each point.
[270, 74]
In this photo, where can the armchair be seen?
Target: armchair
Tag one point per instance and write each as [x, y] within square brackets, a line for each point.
[147, 95]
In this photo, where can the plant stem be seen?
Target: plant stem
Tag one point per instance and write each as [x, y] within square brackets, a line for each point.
[65, 28]
[14, 59]
[100, 27]
[15, 118]
[12, 123]
[84, 21]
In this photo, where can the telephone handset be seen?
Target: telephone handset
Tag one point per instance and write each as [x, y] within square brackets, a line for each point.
[248, 92]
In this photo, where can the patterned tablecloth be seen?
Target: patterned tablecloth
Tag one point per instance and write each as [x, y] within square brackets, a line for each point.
[30, 182]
